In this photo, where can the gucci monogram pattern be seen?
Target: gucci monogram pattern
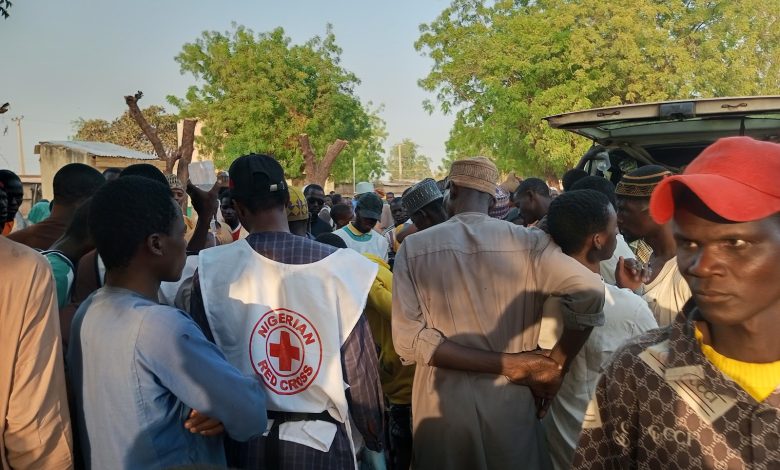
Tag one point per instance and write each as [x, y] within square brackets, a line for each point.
[661, 404]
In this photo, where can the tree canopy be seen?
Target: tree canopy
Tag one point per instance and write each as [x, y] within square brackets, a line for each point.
[259, 92]
[413, 166]
[502, 66]
[125, 131]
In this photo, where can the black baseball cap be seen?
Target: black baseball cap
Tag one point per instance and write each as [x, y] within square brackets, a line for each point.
[369, 206]
[255, 175]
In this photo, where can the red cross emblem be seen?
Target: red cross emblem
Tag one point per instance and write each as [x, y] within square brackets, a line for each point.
[284, 351]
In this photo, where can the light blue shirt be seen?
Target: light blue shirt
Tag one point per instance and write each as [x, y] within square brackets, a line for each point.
[137, 369]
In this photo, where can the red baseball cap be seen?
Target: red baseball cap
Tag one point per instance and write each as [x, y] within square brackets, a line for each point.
[738, 178]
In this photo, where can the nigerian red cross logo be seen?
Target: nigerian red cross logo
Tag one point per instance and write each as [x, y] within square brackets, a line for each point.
[286, 351]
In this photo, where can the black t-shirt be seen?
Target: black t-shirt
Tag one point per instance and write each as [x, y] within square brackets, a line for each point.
[319, 226]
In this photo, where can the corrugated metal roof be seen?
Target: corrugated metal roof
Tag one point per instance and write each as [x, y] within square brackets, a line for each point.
[102, 149]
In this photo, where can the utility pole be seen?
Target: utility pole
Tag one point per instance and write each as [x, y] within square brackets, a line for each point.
[18, 121]
[400, 165]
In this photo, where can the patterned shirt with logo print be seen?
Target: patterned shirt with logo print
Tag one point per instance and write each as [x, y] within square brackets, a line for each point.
[662, 404]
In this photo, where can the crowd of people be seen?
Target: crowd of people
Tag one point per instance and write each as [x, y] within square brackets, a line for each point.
[464, 324]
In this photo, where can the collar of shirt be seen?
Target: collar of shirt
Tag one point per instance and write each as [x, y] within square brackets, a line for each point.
[685, 357]
[357, 234]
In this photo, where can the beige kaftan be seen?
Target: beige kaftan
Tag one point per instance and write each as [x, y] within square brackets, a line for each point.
[35, 428]
[480, 282]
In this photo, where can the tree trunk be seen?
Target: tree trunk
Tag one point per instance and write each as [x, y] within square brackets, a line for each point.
[186, 149]
[183, 154]
[318, 172]
[148, 130]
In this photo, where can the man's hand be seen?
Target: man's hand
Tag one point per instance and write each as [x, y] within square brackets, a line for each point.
[631, 273]
[205, 203]
[539, 373]
[201, 424]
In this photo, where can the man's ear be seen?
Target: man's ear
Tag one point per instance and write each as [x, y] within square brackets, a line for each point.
[597, 242]
[454, 191]
[241, 210]
[154, 244]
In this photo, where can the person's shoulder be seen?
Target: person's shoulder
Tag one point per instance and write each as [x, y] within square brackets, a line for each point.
[17, 255]
[623, 299]
[634, 352]
[163, 321]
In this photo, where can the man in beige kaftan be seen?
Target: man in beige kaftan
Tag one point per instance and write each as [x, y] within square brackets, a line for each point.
[467, 304]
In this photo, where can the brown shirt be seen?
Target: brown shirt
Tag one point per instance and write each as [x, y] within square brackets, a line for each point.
[34, 421]
[662, 404]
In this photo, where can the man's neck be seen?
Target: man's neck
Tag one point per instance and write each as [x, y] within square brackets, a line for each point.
[270, 224]
[62, 212]
[754, 341]
[136, 279]
[233, 225]
[662, 242]
[588, 260]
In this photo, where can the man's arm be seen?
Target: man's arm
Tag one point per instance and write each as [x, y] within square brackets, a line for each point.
[194, 370]
[415, 341]
[205, 204]
[37, 430]
[364, 395]
[579, 293]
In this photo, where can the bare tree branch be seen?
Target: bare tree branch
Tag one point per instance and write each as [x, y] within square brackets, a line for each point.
[148, 130]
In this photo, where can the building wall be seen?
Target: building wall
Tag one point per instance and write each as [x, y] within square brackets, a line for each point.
[53, 158]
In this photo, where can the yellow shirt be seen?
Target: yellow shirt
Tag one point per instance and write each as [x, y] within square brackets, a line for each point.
[758, 380]
[396, 378]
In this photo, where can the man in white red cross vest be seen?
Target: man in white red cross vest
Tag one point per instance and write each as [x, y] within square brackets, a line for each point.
[311, 346]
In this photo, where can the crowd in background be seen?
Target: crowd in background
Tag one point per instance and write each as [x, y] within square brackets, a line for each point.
[463, 324]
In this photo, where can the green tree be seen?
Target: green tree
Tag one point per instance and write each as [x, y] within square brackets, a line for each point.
[259, 92]
[413, 166]
[502, 66]
[124, 130]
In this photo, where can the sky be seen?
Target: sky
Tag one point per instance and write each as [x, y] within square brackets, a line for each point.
[65, 60]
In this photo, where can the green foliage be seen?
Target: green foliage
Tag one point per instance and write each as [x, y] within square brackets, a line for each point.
[414, 166]
[502, 66]
[125, 131]
[259, 92]
[5, 5]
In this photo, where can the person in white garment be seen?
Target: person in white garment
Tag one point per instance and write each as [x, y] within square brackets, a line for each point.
[583, 223]
[359, 234]
[290, 310]
[664, 287]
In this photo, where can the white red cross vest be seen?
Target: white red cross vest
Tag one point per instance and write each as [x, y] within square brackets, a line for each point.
[286, 323]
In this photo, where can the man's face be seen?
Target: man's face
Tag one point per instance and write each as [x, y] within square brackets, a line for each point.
[399, 213]
[178, 196]
[526, 203]
[3, 206]
[364, 224]
[315, 199]
[15, 193]
[328, 201]
[228, 211]
[633, 218]
[389, 197]
[174, 249]
[609, 236]
[733, 269]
